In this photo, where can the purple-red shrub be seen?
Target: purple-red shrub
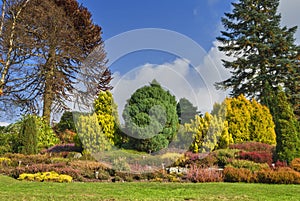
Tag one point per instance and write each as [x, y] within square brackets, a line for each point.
[256, 156]
[280, 164]
[253, 146]
[64, 148]
[191, 156]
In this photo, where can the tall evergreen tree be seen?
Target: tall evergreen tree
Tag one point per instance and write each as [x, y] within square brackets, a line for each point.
[263, 51]
[286, 125]
[28, 136]
[186, 111]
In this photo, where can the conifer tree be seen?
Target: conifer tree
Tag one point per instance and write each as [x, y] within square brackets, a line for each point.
[91, 134]
[107, 114]
[287, 127]
[186, 111]
[263, 51]
[150, 118]
[56, 47]
[28, 136]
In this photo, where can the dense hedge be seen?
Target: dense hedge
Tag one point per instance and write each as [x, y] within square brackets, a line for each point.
[279, 176]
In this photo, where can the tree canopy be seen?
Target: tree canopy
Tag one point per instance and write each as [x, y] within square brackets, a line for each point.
[57, 38]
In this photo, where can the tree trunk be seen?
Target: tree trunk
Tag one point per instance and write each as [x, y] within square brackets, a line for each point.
[48, 89]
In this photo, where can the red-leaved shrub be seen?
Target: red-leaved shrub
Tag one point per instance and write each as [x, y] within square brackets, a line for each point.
[256, 156]
[280, 164]
[253, 146]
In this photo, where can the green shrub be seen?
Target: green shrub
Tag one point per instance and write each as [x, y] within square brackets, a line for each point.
[224, 156]
[46, 136]
[91, 134]
[5, 139]
[250, 165]
[38, 135]
[46, 176]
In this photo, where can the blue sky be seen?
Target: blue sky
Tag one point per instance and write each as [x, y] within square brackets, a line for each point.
[187, 21]
[198, 20]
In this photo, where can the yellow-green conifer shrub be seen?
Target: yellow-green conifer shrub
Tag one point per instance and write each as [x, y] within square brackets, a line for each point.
[247, 120]
[207, 131]
[107, 114]
[262, 127]
[91, 134]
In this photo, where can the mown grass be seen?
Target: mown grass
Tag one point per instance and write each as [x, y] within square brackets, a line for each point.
[11, 189]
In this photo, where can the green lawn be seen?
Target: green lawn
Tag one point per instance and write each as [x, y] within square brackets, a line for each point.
[11, 189]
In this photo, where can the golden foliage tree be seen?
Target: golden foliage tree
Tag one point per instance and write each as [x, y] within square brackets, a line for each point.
[248, 120]
[107, 114]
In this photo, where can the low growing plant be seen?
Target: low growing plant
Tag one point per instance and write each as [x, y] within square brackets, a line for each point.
[250, 165]
[199, 174]
[46, 176]
[232, 174]
[295, 164]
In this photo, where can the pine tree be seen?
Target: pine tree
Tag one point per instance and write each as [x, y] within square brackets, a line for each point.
[262, 50]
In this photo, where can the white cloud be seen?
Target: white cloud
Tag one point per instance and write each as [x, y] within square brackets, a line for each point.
[289, 15]
[179, 77]
[4, 124]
